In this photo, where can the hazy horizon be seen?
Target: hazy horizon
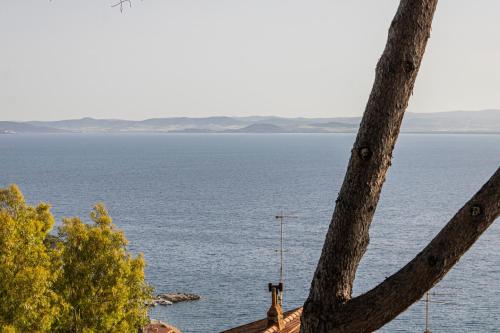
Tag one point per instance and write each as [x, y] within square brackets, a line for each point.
[249, 116]
[74, 59]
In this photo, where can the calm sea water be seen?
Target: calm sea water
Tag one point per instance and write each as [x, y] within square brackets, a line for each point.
[201, 208]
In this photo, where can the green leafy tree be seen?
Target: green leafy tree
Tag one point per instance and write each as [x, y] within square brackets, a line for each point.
[102, 284]
[28, 269]
[82, 281]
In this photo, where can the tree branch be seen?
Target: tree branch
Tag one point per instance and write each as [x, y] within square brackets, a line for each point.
[372, 310]
[120, 4]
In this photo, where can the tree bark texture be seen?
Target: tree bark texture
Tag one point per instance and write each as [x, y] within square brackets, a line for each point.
[348, 237]
[372, 310]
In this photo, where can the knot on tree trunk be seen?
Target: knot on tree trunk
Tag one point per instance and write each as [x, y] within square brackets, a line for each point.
[365, 153]
[475, 210]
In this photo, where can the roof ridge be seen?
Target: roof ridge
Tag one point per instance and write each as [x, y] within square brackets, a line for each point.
[296, 313]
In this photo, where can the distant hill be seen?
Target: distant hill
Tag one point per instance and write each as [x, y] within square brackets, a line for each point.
[486, 121]
[85, 124]
[455, 121]
[11, 127]
[259, 128]
[337, 126]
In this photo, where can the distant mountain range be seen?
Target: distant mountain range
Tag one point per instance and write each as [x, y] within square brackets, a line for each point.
[486, 121]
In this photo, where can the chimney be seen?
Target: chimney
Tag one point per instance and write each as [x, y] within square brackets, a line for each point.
[275, 312]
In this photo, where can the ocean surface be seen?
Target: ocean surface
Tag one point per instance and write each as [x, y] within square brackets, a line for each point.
[201, 208]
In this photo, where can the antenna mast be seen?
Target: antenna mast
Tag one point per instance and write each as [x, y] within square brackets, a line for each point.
[281, 217]
[427, 300]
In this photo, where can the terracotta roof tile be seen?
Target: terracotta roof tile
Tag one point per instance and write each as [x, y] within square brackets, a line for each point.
[160, 327]
[291, 319]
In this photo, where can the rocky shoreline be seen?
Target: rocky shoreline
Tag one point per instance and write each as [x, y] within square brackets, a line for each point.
[171, 298]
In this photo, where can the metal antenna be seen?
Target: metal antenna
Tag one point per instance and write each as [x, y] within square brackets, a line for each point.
[281, 217]
[427, 300]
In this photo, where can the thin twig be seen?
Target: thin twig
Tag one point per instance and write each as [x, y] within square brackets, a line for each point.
[120, 3]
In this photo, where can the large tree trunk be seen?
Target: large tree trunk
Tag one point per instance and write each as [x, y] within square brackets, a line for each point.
[329, 307]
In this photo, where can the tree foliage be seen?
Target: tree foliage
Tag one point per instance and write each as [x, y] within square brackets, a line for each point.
[83, 281]
[28, 269]
[110, 292]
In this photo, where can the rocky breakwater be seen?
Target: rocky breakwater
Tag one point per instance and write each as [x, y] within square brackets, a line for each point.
[171, 298]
